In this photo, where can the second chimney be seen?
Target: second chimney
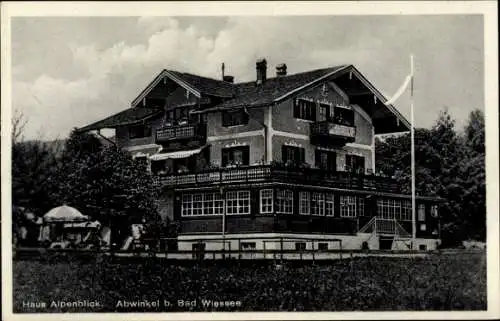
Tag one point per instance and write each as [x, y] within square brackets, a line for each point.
[229, 79]
[281, 70]
[261, 66]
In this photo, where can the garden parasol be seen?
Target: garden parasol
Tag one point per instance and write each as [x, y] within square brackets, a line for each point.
[65, 213]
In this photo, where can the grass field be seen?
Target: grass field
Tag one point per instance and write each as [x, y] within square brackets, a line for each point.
[438, 282]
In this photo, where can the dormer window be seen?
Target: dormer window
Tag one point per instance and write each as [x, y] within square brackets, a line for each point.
[304, 109]
[234, 118]
[139, 131]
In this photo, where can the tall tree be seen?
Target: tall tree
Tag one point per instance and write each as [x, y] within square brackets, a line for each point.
[107, 184]
[450, 147]
[440, 157]
[33, 164]
[473, 171]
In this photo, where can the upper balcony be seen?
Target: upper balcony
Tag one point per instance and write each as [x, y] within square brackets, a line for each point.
[181, 133]
[331, 133]
[270, 173]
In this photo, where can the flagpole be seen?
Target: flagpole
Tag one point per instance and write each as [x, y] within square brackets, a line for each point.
[413, 216]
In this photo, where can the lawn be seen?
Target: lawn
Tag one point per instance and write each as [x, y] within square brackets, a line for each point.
[438, 282]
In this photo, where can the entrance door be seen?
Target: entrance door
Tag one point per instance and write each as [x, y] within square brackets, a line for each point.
[385, 242]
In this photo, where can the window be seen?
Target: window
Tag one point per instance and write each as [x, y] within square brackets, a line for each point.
[347, 206]
[187, 205]
[326, 160]
[198, 204]
[344, 116]
[329, 204]
[406, 211]
[434, 211]
[324, 112]
[304, 109]
[139, 131]
[284, 202]
[234, 118]
[361, 206]
[300, 246]
[202, 204]
[355, 164]
[394, 209]
[422, 247]
[322, 246]
[304, 206]
[292, 155]
[236, 156]
[238, 202]
[421, 212]
[213, 204]
[266, 201]
[318, 204]
[423, 227]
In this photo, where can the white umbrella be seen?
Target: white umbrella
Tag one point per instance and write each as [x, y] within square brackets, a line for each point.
[65, 214]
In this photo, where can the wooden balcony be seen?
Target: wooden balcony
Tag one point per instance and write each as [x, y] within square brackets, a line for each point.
[178, 133]
[269, 173]
[332, 134]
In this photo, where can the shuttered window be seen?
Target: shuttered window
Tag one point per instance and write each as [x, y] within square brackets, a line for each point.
[325, 160]
[234, 118]
[236, 156]
[355, 164]
[292, 155]
[304, 109]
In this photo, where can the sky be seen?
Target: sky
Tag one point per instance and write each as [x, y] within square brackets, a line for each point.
[71, 71]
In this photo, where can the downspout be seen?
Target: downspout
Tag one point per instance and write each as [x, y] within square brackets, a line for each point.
[266, 133]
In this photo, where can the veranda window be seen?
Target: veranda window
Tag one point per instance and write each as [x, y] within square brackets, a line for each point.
[348, 206]
[238, 202]
[202, 204]
[284, 202]
[304, 204]
[317, 204]
[329, 204]
[266, 201]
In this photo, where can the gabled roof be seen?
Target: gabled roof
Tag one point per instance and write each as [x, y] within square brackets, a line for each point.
[127, 117]
[250, 94]
[207, 86]
[197, 85]
[273, 90]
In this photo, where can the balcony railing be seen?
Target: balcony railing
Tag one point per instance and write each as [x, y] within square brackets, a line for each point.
[269, 173]
[180, 132]
[329, 129]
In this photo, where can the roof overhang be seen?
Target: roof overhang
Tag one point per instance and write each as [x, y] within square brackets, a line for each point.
[114, 121]
[176, 154]
[386, 118]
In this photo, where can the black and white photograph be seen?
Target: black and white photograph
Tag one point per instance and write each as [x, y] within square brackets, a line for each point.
[281, 159]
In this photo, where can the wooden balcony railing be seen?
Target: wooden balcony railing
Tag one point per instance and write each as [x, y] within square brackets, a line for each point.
[329, 129]
[270, 173]
[180, 132]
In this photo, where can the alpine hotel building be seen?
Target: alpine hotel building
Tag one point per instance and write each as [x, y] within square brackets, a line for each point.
[285, 161]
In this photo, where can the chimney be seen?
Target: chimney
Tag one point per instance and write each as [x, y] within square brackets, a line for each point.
[261, 66]
[281, 70]
[229, 79]
[223, 68]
